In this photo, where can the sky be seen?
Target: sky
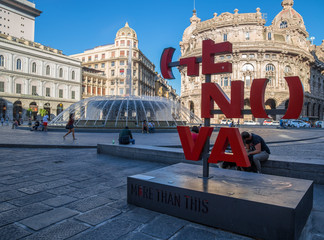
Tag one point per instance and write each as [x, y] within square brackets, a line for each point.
[76, 25]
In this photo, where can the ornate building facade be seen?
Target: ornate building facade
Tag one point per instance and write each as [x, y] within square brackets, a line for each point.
[94, 82]
[33, 77]
[259, 51]
[113, 60]
[163, 89]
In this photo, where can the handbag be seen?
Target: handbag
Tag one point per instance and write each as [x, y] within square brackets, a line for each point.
[67, 126]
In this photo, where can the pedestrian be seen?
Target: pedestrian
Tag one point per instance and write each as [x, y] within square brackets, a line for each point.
[7, 121]
[45, 121]
[194, 133]
[126, 137]
[2, 121]
[258, 151]
[14, 124]
[70, 127]
[144, 127]
[29, 123]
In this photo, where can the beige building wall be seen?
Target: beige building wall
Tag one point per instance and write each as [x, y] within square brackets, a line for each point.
[259, 51]
[17, 18]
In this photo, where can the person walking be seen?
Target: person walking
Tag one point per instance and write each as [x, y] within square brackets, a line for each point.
[70, 126]
[45, 121]
[2, 121]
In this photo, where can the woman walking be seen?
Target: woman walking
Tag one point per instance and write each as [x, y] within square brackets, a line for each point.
[70, 126]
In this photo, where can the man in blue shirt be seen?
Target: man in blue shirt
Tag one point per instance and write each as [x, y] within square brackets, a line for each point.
[126, 137]
[258, 149]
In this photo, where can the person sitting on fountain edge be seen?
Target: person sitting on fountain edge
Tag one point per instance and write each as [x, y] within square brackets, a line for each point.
[126, 137]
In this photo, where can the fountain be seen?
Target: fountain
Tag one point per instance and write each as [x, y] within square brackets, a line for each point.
[119, 111]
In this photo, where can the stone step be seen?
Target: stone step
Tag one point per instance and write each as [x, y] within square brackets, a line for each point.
[311, 169]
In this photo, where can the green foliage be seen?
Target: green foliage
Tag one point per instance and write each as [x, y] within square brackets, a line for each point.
[42, 112]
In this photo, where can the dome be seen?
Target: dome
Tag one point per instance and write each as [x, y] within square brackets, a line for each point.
[288, 17]
[126, 32]
[118, 111]
[189, 30]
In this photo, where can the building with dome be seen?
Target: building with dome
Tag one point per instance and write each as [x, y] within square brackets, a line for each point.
[259, 51]
[114, 60]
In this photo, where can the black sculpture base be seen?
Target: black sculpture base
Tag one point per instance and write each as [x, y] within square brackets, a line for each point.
[257, 205]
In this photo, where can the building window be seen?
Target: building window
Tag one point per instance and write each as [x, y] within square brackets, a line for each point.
[60, 93]
[128, 42]
[113, 63]
[73, 75]
[134, 73]
[112, 73]
[134, 54]
[1, 86]
[244, 56]
[121, 81]
[34, 90]
[225, 81]
[121, 71]
[112, 54]
[83, 59]
[34, 67]
[18, 88]
[121, 91]
[96, 57]
[122, 53]
[251, 56]
[73, 94]
[96, 66]
[61, 72]
[116, 43]
[270, 68]
[1, 60]
[112, 91]
[122, 63]
[103, 56]
[283, 24]
[247, 36]
[225, 37]
[18, 64]
[89, 58]
[48, 92]
[48, 70]
[269, 36]
[122, 43]
[102, 65]
[134, 45]
[287, 38]
[267, 56]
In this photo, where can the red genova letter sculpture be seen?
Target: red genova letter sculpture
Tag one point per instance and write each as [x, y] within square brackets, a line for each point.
[232, 108]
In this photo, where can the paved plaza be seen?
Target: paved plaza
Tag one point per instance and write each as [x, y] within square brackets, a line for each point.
[75, 193]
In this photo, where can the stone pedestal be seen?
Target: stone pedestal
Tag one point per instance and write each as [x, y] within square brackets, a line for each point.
[257, 205]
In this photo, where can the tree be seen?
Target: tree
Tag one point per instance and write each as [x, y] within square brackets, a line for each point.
[42, 112]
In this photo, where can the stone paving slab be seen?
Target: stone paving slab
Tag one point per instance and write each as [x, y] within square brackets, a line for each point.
[13, 231]
[98, 215]
[62, 230]
[48, 218]
[59, 201]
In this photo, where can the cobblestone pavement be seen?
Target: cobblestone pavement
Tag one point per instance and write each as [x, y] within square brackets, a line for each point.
[76, 194]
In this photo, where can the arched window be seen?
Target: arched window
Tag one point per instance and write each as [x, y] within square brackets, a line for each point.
[283, 24]
[18, 64]
[248, 67]
[61, 73]
[73, 75]
[269, 36]
[1, 60]
[48, 70]
[270, 68]
[34, 67]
